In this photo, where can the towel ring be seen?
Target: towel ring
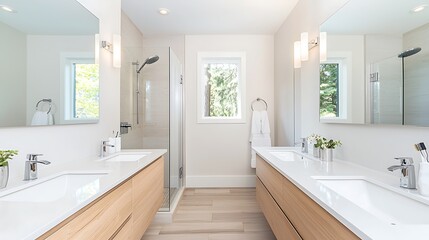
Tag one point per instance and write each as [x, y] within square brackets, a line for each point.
[45, 100]
[259, 100]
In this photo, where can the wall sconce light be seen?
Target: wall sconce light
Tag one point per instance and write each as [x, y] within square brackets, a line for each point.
[323, 46]
[301, 48]
[304, 46]
[115, 49]
[297, 54]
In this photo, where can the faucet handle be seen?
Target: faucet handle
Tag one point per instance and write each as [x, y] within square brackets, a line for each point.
[405, 161]
[33, 156]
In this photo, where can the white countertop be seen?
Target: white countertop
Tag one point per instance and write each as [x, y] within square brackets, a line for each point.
[364, 224]
[29, 220]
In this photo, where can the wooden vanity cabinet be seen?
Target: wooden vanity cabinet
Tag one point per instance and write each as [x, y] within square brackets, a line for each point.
[148, 193]
[124, 212]
[309, 219]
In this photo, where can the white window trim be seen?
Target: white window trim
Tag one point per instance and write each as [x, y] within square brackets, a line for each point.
[241, 118]
[66, 59]
[344, 59]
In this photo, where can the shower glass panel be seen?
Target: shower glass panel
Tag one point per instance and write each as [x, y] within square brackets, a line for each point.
[399, 94]
[159, 113]
[386, 91]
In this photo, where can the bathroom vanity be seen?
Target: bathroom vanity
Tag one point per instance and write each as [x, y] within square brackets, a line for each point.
[290, 212]
[112, 198]
[305, 198]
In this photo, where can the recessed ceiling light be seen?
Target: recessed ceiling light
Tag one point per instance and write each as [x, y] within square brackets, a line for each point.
[419, 8]
[163, 11]
[7, 9]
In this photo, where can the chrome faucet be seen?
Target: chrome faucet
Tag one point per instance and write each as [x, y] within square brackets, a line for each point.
[304, 145]
[408, 173]
[103, 149]
[31, 166]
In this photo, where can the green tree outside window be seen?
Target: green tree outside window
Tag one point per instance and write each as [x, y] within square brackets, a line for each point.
[221, 89]
[86, 94]
[329, 85]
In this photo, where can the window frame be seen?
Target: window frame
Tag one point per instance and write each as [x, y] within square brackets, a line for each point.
[228, 57]
[343, 59]
[67, 87]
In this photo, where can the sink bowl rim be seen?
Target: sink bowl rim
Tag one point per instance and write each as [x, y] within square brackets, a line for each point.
[39, 181]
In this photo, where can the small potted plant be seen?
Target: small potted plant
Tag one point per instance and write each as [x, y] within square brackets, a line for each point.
[317, 144]
[5, 156]
[327, 149]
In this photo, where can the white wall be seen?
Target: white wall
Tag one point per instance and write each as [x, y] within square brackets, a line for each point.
[218, 155]
[371, 146]
[62, 144]
[45, 78]
[13, 76]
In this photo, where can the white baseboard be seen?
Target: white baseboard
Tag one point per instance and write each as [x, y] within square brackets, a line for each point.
[220, 181]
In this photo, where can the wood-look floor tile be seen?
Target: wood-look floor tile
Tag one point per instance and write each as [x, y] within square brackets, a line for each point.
[204, 236]
[243, 236]
[211, 227]
[260, 226]
[214, 214]
[192, 217]
[241, 217]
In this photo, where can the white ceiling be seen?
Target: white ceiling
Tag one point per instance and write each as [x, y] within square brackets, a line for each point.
[49, 17]
[377, 17]
[208, 16]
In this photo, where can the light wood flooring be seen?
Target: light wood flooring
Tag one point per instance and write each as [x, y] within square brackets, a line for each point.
[215, 214]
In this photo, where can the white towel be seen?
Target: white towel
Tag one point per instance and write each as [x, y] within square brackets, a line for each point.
[41, 118]
[256, 123]
[259, 133]
[265, 123]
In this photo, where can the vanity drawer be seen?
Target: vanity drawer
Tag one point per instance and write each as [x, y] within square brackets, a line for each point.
[101, 219]
[309, 218]
[279, 223]
[125, 233]
[148, 192]
[270, 177]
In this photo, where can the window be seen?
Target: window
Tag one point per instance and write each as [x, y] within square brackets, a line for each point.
[329, 90]
[221, 87]
[333, 89]
[81, 89]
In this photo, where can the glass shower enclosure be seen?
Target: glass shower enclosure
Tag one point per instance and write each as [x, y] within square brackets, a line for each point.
[156, 100]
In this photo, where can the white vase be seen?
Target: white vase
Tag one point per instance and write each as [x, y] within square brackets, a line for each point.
[4, 176]
[316, 152]
[327, 154]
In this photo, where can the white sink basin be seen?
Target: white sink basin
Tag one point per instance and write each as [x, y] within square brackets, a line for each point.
[381, 202]
[128, 157]
[70, 186]
[287, 156]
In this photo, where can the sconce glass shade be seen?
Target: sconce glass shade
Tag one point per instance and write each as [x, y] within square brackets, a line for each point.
[304, 46]
[97, 49]
[297, 54]
[323, 46]
[116, 51]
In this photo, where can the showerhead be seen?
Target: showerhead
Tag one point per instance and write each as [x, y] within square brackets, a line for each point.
[409, 52]
[149, 60]
[152, 59]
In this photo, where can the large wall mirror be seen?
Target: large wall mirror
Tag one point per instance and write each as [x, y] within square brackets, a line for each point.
[48, 74]
[377, 68]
